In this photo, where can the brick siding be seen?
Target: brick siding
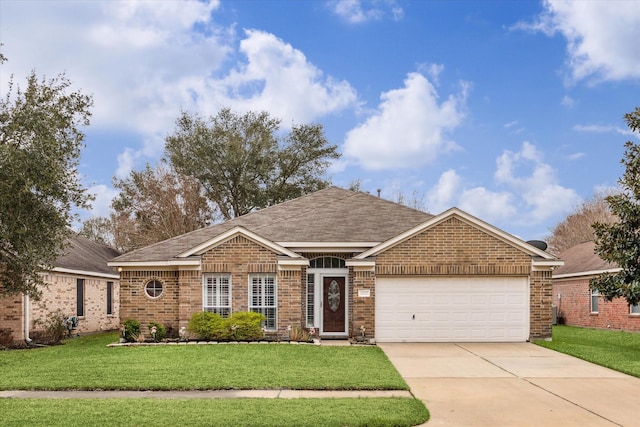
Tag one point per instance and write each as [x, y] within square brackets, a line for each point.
[575, 306]
[451, 248]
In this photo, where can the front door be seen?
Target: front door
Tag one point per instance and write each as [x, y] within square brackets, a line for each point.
[334, 302]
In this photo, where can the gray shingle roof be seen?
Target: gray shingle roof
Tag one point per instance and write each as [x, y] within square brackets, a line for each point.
[86, 255]
[581, 258]
[330, 215]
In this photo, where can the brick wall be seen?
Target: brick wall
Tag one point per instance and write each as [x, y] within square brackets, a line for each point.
[362, 308]
[11, 315]
[453, 248]
[135, 304]
[574, 304]
[540, 305]
[61, 295]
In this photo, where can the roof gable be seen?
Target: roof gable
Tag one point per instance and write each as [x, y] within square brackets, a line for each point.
[466, 218]
[230, 234]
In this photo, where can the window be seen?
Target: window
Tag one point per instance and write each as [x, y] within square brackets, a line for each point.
[327, 262]
[80, 297]
[262, 298]
[153, 288]
[311, 300]
[217, 294]
[594, 300]
[109, 297]
[635, 309]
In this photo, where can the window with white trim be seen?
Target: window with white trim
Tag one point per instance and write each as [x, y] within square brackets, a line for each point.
[595, 294]
[262, 298]
[311, 300]
[216, 293]
[634, 309]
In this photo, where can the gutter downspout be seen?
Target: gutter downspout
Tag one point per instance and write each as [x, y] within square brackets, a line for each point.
[25, 311]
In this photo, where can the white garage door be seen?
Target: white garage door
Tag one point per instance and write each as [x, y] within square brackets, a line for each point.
[460, 309]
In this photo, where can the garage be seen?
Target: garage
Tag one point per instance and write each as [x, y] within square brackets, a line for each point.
[452, 309]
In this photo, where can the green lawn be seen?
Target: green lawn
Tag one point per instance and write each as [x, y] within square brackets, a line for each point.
[86, 363]
[614, 349]
[213, 412]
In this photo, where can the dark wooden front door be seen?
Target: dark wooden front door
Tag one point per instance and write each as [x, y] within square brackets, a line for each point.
[334, 301]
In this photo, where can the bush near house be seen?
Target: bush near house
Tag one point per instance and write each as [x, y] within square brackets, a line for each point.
[130, 330]
[240, 326]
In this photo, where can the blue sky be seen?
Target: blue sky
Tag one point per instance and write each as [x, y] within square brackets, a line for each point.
[510, 110]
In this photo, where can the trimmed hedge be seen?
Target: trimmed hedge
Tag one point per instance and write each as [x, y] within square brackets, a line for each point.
[240, 326]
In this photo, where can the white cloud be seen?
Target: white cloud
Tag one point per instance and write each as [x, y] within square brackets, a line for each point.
[408, 129]
[602, 36]
[126, 162]
[541, 195]
[526, 191]
[279, 79]
[576, 156]
[603, 129]
[354, 12]
[104, 195]
[444, 194]
[567, 101]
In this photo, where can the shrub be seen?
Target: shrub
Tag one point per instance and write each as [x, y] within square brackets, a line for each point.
[299, 334]
[54, 329]
[130, 330]
[246, 326]
[161, 331]
[6, 338]
[243, 326]
[207, 326]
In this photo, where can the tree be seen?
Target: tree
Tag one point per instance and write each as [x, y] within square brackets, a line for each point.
[244, 165]
[619, 242]
[577, 227]
[40, 143]
[98, 229]
[156, 204]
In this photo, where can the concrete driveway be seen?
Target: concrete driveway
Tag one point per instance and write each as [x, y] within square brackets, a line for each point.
[514, 384]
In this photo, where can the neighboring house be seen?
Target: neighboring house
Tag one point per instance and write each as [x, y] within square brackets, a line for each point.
[339, 261]
[81, 285]
[577, 305]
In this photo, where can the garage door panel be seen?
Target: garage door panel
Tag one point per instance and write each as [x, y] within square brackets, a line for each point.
[452, 309]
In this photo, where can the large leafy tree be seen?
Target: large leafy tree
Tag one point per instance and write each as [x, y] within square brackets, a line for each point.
[577, 227]
[619, 242]
[156, 204]
[40, 144]
[244, 163]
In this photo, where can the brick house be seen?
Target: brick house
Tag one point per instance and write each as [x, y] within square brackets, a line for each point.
[80, 284]
[577, 304]
[339, 261]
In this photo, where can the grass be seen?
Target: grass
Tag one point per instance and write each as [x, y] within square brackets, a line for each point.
[614, 349]
[87, 364]
[213, 412]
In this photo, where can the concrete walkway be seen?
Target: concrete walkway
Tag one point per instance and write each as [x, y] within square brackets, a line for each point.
[203, 394]
[514, 384]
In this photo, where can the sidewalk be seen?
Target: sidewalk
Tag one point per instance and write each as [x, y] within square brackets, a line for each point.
[201, 394]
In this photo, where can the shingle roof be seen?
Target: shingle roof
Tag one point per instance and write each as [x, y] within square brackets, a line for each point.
[581, 258]
[86, 255]
[330, 215]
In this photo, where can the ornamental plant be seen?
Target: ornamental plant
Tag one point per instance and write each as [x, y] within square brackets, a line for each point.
[160, 331]
[130, 330]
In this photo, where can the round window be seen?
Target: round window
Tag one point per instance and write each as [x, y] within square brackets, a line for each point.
[153, 288]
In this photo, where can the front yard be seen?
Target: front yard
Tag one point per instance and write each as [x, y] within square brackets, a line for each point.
[614, 349]
[87, 364]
